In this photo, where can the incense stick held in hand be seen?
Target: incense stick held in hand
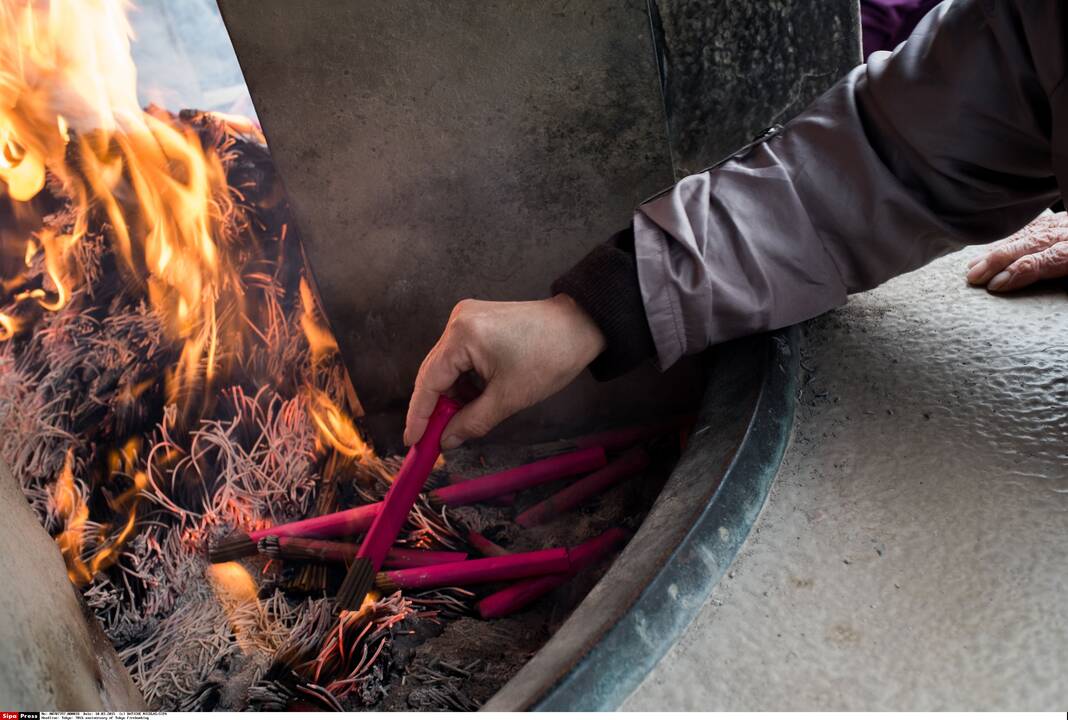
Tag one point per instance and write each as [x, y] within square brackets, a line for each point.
[402, 493]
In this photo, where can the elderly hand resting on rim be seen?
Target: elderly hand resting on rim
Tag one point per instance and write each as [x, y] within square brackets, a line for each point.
[1038, 252]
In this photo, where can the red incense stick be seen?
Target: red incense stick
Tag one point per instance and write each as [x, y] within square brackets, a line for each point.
[359, 519]
[520, 478]
[473, 572]
[625, 437]
[626, 465]
[406, 487]
[501, 501]
[484, 545]
[327, 551]
[516, 597]
[346, 522]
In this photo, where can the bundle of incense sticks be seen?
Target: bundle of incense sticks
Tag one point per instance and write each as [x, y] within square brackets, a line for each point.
[346, 522]
[475, 572]
[516, 597]
[520, 478]
[399, 500]
[329, 552]
[630, 463]
[359, 519]
[622, 438]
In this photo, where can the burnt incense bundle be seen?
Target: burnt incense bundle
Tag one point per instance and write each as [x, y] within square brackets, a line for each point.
[359, 519]
[331, 552]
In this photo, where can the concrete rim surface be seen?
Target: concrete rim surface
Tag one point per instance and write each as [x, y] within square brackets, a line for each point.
[700, 520]
[913, 552]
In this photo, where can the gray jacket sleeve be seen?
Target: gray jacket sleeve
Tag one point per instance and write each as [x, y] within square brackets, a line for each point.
[959, 136]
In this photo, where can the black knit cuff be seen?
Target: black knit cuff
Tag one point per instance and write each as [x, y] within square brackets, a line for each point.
[605, 285]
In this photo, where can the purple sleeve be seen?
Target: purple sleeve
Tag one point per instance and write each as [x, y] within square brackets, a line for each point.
[885, 23]
[954, 138]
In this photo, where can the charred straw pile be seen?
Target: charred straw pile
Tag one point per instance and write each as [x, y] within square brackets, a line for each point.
[141, 447]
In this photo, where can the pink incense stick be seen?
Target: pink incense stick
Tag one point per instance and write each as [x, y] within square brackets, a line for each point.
[346, 522]
[406, 487]
[484, 546]
[413, 558]
[474, 572]
[520, 478]
[516, 597]
[625, 437]
[501, 501]
[327, 551]
[626, 465]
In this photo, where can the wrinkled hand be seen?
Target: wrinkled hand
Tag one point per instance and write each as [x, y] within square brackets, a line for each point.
[523, 352]
[1038, 252]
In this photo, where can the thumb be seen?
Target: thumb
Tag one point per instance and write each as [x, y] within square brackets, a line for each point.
[475, 419]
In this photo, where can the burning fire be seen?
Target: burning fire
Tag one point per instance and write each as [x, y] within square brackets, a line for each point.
[71, 128]
[69, 113]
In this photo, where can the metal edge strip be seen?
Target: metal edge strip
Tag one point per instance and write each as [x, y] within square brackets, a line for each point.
[612, 669]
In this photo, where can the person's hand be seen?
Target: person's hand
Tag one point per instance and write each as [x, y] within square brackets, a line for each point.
[1038, 252]
[522, 351]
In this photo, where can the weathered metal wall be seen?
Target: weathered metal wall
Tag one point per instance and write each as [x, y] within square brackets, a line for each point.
[437, 151]
[732, 68]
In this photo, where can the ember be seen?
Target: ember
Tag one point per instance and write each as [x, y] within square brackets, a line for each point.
[168, 383]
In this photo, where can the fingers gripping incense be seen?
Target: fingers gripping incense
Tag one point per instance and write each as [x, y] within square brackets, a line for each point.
[402, 493]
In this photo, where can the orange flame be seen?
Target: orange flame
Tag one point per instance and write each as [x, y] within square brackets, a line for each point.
[336, 428]
[70, 505]
[321, 341]
[8, 326]
[237, 593]
[67, 76]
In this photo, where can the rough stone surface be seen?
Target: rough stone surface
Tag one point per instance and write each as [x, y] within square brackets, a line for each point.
[912, 553]
[54, 655]
[437, 151]
[731, 69]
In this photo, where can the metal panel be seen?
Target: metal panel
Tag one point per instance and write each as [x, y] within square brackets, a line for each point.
[437, 151]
